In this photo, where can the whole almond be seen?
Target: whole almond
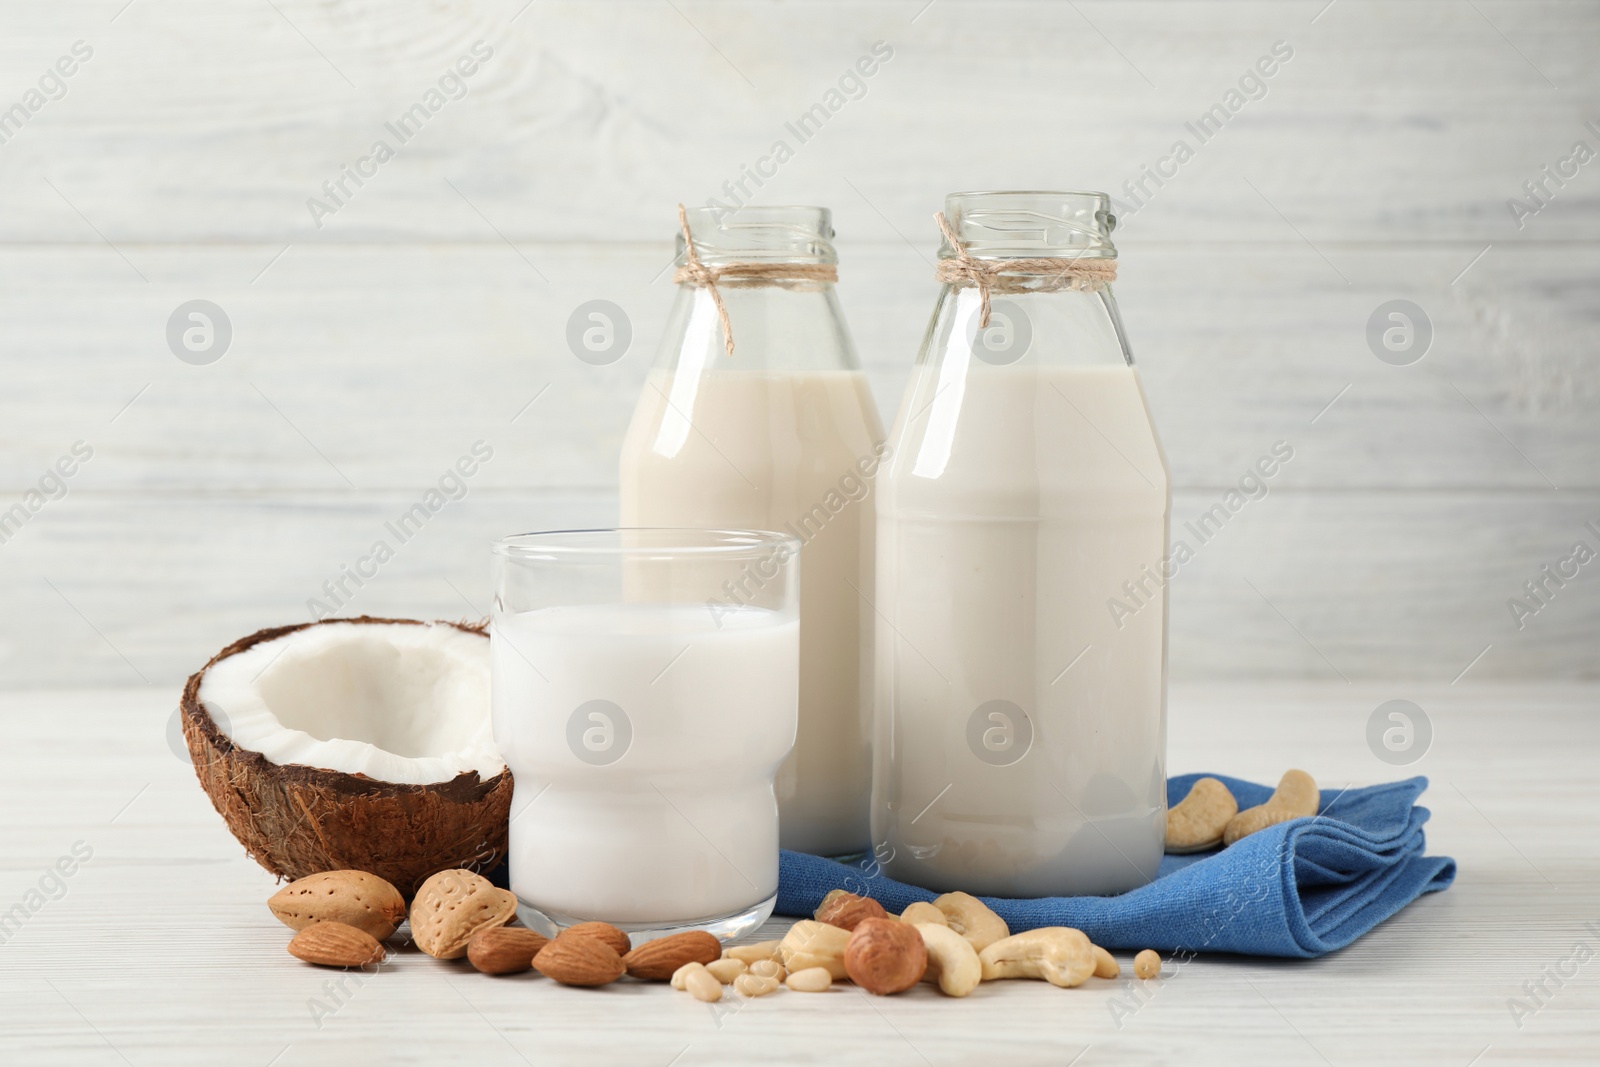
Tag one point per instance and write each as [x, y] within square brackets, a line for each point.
[505, 949]
[355, 898]
[603, 931]
[331, 944]
[657, 960]
[451, 907]
[585, 961]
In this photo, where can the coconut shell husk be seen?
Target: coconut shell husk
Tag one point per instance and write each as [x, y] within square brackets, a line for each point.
[297, 820]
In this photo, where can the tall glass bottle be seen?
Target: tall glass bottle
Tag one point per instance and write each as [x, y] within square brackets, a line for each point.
[1022, 528]
[780, 435]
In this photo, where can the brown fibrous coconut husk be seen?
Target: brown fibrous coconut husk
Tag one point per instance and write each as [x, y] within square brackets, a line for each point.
[297, 820]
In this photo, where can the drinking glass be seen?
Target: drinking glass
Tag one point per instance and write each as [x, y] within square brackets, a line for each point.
[645, 689]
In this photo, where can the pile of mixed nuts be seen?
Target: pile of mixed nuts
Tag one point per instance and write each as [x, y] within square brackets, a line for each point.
[341, 919]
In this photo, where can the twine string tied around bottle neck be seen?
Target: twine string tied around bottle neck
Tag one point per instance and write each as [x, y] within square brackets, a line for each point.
[1042, 274]
[741, 274]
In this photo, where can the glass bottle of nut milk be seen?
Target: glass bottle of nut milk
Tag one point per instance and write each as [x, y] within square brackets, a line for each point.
[1021, 689]
[780, 433]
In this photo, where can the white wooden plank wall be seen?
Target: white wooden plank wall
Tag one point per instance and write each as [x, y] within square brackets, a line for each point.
[428, 311]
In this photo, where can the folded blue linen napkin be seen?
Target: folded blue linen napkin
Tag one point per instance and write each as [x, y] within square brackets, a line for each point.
[1301, 889]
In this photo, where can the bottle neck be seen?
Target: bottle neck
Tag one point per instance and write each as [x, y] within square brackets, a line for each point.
[1027, 327]
[1042, 265]
[777, 248]
[802, 236]
[1016, 225]
[793, 326]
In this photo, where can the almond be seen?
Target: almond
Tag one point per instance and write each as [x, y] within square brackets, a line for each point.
[354, 898]
[505, 949]
[452, 906]
[845, 909]
[332, 944]
[657, 960]
[586, 961]
[603, 931]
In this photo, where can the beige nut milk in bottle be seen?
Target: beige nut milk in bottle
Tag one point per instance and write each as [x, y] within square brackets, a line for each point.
[780, 434]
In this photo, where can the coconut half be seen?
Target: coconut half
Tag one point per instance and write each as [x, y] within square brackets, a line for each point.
[353, 744]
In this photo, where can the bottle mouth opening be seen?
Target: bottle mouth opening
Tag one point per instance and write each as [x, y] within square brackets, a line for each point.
[1031, 224]
[760, 234]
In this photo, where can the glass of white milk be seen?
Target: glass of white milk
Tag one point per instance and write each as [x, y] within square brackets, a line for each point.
[645, 690]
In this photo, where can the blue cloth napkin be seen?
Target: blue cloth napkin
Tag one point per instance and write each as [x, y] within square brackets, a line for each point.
[1302, 888]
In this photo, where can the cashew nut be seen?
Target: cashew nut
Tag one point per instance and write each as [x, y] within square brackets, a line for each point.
[922, 912]
[952, 962]
[1060, 955]
[1197, 821]
[813, 944]
[972, 919]
[1295, 798]
[1105, 964]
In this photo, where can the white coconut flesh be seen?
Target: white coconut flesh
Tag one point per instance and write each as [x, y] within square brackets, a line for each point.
[398, 703]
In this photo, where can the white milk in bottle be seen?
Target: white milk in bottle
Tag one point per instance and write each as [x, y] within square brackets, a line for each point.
[780, 435]
[1020, 718]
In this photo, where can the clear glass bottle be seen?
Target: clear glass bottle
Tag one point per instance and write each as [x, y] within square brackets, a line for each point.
[1022, 529]
[780, 435]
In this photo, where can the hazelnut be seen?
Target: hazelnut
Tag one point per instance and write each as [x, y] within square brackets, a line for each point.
[844, 909]
[884, 956]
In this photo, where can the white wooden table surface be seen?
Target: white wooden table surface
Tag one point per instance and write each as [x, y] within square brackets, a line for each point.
[160, 949]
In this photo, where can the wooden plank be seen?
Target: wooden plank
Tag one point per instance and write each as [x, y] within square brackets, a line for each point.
[161, 951]
[371, 353]
[1391, 123]
[122, 588]
[376, 366]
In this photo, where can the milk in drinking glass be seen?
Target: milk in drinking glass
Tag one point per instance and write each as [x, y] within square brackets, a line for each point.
[643, 722]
